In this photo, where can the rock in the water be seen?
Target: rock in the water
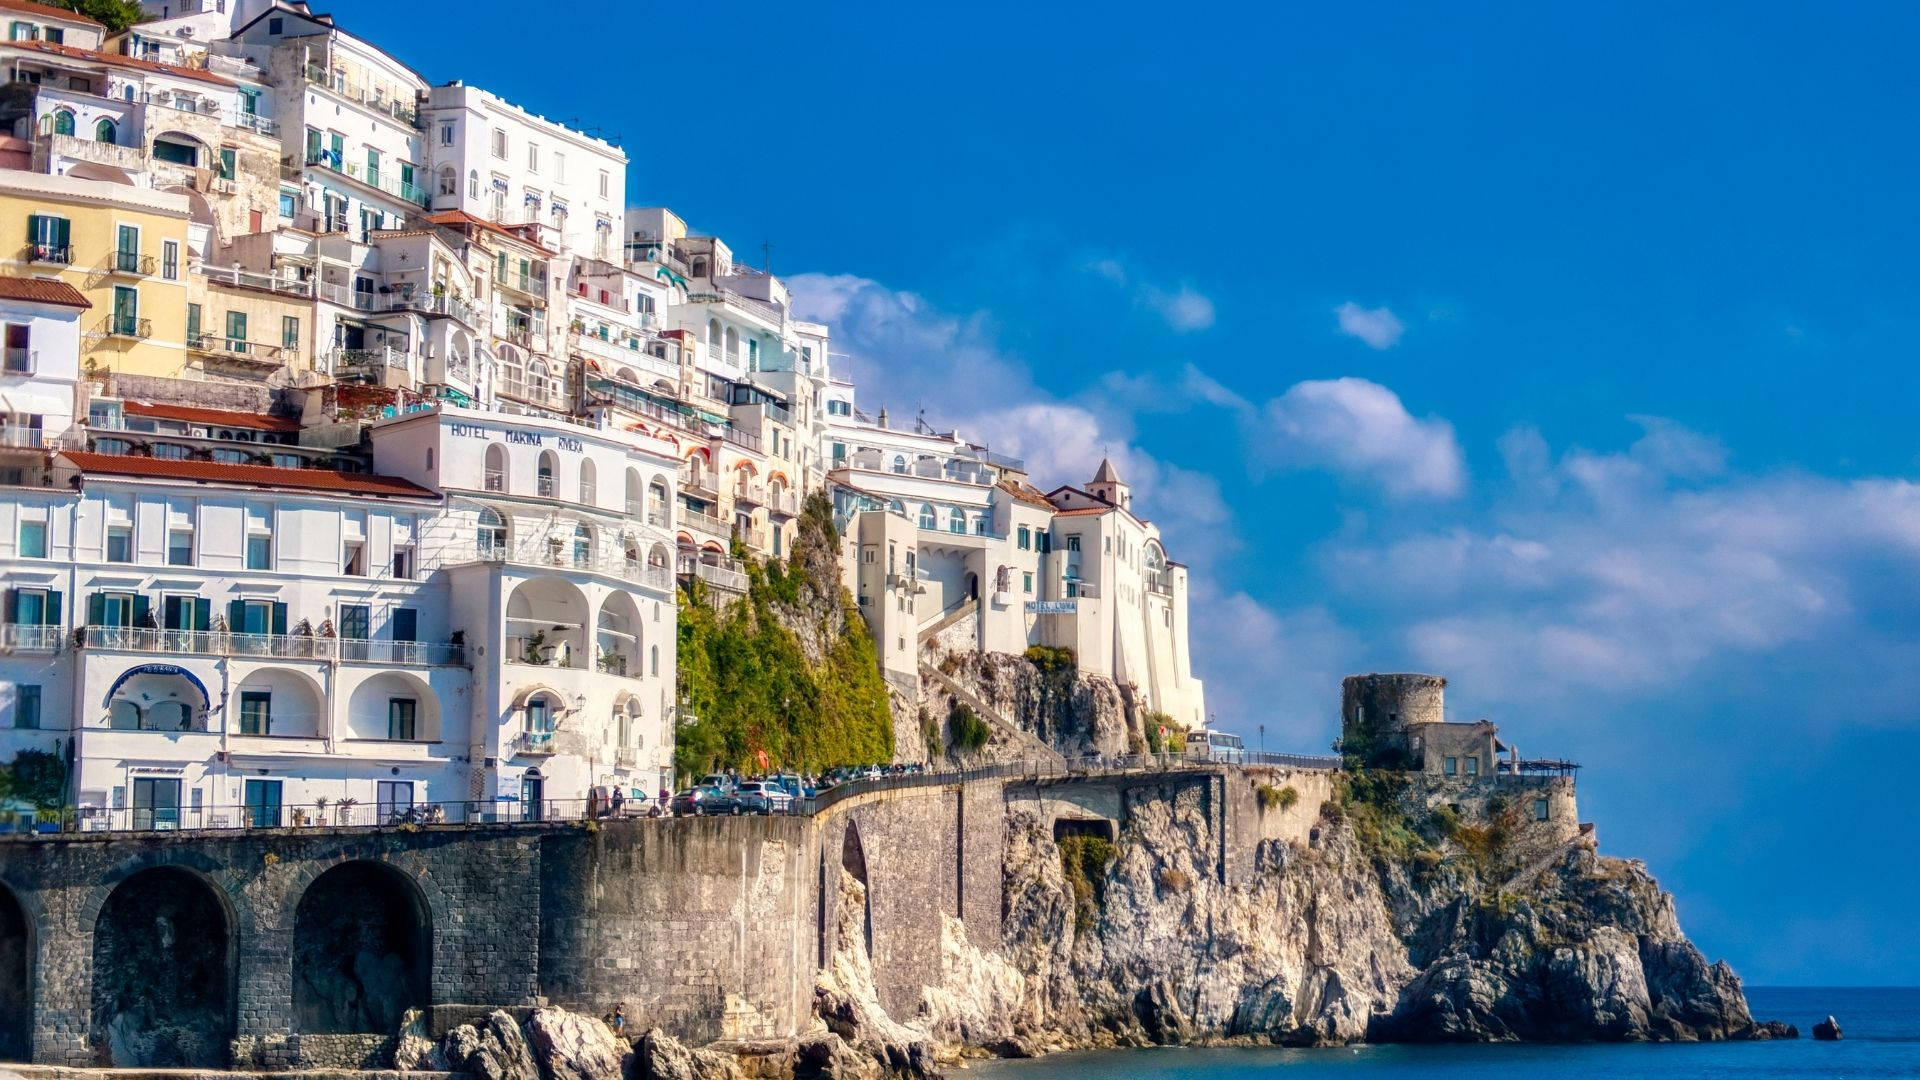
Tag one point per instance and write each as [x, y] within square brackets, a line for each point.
[1827, 1030]
[492, 1050]
[660, 1056]
[568, 1046]
[1771, 1029]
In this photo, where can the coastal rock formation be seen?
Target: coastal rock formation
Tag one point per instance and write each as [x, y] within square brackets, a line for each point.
[1138, 942]
[568, 1046]
[494, 1049]
[1074, 712]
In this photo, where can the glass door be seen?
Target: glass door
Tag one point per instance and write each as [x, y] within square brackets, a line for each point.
[263, 804]
[533, 794]
[156, 803]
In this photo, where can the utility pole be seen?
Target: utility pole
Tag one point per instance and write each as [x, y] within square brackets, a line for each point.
[1263, 738]
[766, 256]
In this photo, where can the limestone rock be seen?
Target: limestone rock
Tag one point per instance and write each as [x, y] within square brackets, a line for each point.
[568, 1046]
[414, 1050]
[846, 1000]
[1827, 1030]
[492, 1050]
[659, 1056]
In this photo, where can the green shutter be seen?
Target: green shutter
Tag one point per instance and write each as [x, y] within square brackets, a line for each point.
[13, 605]
[96, 609]
[33, 228]
[193, 324]
[202, 613]
[279, 618]
[140, 609]
[53, 609]
[236, 616]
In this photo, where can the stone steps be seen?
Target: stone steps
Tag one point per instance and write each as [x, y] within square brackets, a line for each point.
[1034, 746]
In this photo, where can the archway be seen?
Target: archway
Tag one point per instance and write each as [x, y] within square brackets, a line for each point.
[163, 973]
[16, 989]
[362, 951]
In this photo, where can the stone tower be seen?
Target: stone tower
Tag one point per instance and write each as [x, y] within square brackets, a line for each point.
[1376, 709]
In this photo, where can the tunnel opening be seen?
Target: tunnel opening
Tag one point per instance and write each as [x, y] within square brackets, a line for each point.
[853, 859]
[362, 951]
[16, 989]
[1099, 827]
[163, 974]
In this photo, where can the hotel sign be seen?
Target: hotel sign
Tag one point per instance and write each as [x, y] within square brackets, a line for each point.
[527, 438]
[1053, 607]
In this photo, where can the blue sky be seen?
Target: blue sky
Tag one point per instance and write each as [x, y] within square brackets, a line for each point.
[1566, 352]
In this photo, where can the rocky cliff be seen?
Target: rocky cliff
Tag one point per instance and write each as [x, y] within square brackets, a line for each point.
[1047, 697]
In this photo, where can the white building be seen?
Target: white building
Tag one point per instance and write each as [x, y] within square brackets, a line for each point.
[479, 624]
[40, 367]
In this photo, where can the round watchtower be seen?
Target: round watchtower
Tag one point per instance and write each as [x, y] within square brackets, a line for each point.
[1377, 708]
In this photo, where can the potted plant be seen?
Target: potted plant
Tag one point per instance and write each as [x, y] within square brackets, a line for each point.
[344, 809]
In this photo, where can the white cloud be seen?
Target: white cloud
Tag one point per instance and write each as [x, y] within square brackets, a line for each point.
[1378, 327]
[1184, 308]
[1361, 429]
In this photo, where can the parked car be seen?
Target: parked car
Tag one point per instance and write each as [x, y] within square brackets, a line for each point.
[704, 799]
[715, 780]
[761, 797]
[796, 785]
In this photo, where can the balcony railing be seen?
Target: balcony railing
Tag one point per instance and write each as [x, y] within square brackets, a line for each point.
[548, 394]
[127, 326]
[532, 743]
[545, 487]
[564, 556]
[373, 178]
[755, 494]
[496, 480]
[699, 480]
[17, 637]
[58, 254]
[375, 98]
[20, 362]
[533, 285]
[357, 299]
[253, 122]
[235, 277]
[237, 349]
[364, 362]
[744, 439]
[436, 305]
[625, 757]
[720, 577]
[784, 502]
[284, 646]
[705, 523]
[131, 262]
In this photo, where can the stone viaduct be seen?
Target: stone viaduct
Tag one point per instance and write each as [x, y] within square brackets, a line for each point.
[304, 947]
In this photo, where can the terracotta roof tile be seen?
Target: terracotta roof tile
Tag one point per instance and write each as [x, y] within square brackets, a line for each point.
[1024, 493]
[253, 476]
[42, 291]
[211, 417]
[1085, 511]
[117, 60]
[49, 11]
[459, 218]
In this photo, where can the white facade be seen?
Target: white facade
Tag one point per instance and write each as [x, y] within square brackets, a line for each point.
[40, 365]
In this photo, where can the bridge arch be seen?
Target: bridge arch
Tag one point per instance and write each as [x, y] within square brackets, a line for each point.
[163, 970]
[362, 949]
[16, 978]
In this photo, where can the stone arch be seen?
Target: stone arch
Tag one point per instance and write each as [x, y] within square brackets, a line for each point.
[374, 711]
[294, 702]
[16, 978]
[163, 970]
[362, 949]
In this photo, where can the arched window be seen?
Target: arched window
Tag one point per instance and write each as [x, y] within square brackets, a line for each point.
[473, 184]
[632, 555]
[900, 463]
[636, 502]
[653, 660]
[622, 726]
[588, 493]
[62, 122]
[657, 503]
[957, 521]
[105, 132]
[492, 533]
[927, 519]
[713, 332]
[733, 344]
[496, 476]
[544, 481]
[582, 544]
[539, 714]
[449, 181]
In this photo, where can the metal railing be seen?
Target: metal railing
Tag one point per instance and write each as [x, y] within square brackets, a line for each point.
[127, 326]
[705, 523]
[131, 262]
[236, 347]
[745, 439]
[235, 277]
[61, 254]
[721, 577]
[551, 394]
[435, 305]
[699, 480]
[23, 637]
[565, 556]
[17, 361]
[411, 193]
[342, 814]
[375, 98]
[282, 646]
[22, 437]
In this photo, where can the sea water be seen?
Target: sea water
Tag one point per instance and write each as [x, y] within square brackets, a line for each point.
[1882, 1028]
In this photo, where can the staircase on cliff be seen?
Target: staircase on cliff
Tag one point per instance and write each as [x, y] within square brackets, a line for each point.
[1031, 747]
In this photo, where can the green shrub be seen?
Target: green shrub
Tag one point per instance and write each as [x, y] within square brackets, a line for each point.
[36, 776]
[1052, 660]
[966, 732]
[1084, 861]
[1277, 798]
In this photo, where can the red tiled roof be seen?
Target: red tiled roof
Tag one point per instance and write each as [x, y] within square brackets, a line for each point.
[211, 417]
[42, 291]
[1024, 493]
[48, 11]
[458, 218]
[1085, 511]
[255, 476]
[117, 60]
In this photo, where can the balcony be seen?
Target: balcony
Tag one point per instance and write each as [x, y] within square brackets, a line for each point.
[626, 757]
[16, 637]
[783, 502]
[531, 286]
[366, 177]
[19, 361]
[371, 365]
[1160, 585]
[436, 305]
[131, 262]
[357, 299]
[546, 394]
[54, 254]
[234, 277]
[131, 327]
[545, 487]
[376, 98]
[238, 350]
[746, 440]
[547, 554]
[756, 538]
[532, 744]
[496, 480]
[254, 122]
[706, 523]
[699, 482]
[22, 437]
[279, 646]
[718, 576]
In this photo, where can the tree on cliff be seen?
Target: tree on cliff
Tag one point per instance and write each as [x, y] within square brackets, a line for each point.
[787, 671]
[116, 14]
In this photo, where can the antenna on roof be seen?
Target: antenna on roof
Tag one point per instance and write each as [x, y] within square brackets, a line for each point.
[766, 256]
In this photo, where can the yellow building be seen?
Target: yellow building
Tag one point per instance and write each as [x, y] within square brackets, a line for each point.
[247, 326]
[123, 247]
